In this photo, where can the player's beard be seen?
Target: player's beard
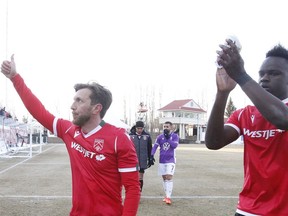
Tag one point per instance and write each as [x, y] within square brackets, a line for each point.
[81, 120]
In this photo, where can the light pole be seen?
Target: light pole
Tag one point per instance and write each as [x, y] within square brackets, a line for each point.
[198, 131]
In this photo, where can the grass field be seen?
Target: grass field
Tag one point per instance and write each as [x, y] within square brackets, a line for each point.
[205, 183]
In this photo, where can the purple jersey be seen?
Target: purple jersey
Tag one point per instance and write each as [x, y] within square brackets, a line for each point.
[167, 148]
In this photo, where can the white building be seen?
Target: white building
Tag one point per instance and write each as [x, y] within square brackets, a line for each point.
[187, 116]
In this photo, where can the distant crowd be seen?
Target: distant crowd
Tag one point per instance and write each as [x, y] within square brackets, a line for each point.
[5, 113]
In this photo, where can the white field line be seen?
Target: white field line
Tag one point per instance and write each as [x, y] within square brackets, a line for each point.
[142, 197]
[207, 150]
[192, 197]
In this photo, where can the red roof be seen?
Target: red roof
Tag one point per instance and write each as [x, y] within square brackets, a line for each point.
[179, 105]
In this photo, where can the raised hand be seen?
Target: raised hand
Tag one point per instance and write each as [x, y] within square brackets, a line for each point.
[8, 68]
[224, 81]
[232, 62]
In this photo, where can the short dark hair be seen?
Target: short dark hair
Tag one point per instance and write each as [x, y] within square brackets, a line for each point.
[99, 94]
[168, 122]
[139, 124]
[278, 51]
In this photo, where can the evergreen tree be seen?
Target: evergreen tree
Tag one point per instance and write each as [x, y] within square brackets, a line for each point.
[230, 108]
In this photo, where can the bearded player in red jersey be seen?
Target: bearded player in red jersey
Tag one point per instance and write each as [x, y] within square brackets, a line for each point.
[263, 127]
[102, 156]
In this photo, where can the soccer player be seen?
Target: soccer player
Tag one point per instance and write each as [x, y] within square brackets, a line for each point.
[263, 127]
[143, 145]
[167, 142]
[102, 157]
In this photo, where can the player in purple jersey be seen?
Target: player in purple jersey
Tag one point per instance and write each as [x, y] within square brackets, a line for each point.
[168, 142]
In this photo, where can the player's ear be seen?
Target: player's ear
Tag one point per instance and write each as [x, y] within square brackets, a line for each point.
[97, 108]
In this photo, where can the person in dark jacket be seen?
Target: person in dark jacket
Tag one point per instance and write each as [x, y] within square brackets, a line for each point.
[143, 145]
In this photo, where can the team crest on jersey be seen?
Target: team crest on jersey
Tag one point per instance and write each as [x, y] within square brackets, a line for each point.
[166, 146]
[98, 144]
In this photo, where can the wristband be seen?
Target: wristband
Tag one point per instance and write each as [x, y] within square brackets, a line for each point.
[243, 79]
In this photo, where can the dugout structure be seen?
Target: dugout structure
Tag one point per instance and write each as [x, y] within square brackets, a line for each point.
[20, 139]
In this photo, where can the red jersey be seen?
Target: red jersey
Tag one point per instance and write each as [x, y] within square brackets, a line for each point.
[265, 189]
[101, 162]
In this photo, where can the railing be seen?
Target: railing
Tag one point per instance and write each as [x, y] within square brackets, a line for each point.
[15, 140]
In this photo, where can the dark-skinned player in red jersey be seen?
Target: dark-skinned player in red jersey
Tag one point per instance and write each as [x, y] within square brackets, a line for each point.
[263, 127]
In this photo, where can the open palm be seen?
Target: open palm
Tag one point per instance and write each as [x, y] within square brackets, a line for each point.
[224, 82]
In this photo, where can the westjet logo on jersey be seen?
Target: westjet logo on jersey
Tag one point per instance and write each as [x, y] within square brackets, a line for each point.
[87, 153]
[266, 134]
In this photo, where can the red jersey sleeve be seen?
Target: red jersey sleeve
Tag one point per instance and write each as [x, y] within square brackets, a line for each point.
[32, 103]
[132, 193]
[126, 153]
[128, 167]
[234, 120]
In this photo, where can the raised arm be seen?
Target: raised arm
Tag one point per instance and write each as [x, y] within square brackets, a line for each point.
[270, 106]
[31, 102]
[217, 135]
